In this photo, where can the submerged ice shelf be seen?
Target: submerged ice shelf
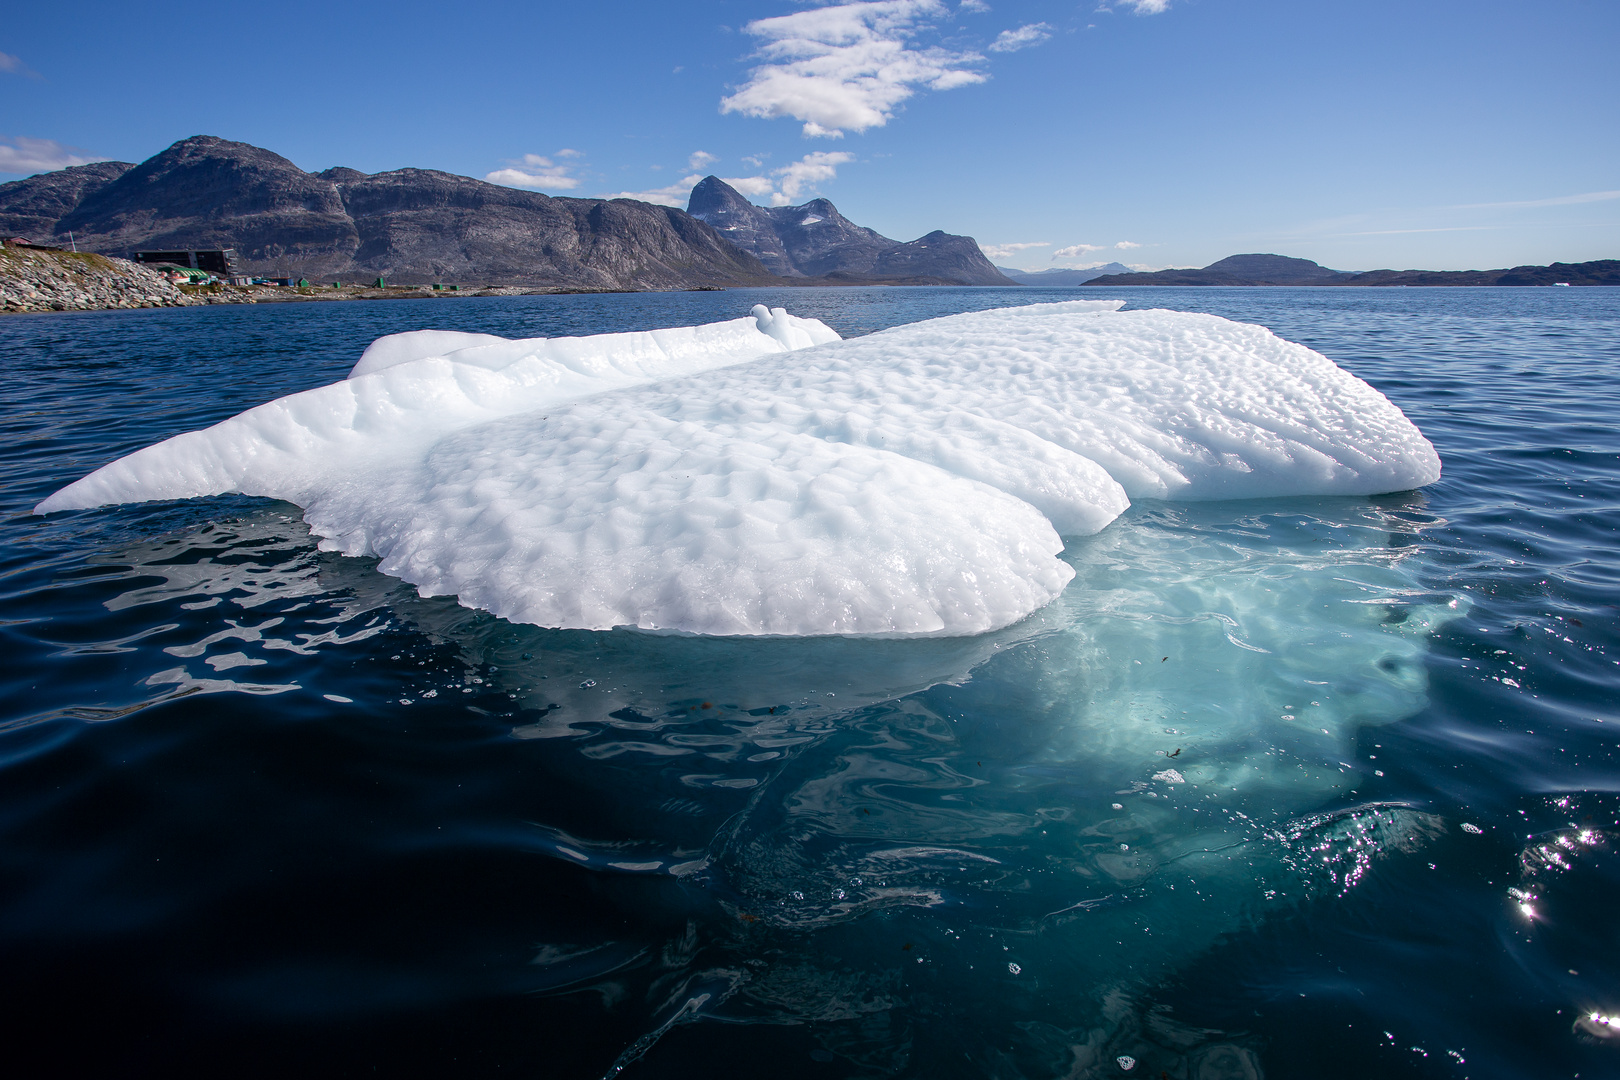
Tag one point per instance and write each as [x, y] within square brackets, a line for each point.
[762, 477]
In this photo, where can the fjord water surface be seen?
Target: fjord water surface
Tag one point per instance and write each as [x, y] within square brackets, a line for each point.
[1306, 787]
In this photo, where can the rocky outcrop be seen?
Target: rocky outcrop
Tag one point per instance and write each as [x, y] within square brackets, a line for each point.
[410, 225]
[32, 280]
[816, 241]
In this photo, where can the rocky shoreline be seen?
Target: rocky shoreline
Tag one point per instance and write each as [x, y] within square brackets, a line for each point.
[36, 280]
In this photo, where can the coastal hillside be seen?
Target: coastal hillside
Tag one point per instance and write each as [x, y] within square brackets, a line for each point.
[408, 225]
[815, 241]
[1282, 270]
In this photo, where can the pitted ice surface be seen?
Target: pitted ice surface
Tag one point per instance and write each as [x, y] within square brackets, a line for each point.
[762, 477]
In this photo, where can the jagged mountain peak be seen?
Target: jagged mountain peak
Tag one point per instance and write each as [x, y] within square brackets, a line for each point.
[714, 195]
[813, 239]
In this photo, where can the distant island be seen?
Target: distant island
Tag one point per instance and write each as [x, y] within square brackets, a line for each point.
[1282, 270]
[1061, 276]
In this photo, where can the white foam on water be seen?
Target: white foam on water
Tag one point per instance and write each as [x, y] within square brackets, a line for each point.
[760, 477]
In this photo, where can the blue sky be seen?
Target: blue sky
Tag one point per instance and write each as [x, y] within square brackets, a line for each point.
[1422, 133]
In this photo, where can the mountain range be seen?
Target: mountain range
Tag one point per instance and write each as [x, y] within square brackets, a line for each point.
[416, 226]
[409, 224]
[1282, 270]
[815, 241]
[420, 225]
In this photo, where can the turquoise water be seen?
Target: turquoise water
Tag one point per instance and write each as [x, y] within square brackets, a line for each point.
[1287, 788]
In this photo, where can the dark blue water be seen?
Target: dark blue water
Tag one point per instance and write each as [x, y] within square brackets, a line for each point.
[264, 811]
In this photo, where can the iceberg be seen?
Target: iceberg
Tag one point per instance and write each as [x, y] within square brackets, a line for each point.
[763, 477]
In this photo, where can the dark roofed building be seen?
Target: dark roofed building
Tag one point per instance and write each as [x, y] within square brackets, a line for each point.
[220, 261]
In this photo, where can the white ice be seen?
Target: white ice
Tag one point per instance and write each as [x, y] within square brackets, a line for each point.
[762, 477]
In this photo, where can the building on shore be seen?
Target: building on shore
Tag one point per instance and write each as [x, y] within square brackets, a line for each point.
[221, 261]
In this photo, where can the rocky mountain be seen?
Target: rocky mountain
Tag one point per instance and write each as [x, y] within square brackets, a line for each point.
[815, 241]
[1061, 276]
[1280, 270]
[409, 225]
[32, 207]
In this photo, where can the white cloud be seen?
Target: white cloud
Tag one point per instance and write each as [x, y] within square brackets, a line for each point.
[846, 67]
[792, 180]
[1079, 250]
[675, 195]
[781, 186]
[807, 172]
[751, 186]
[973, 7]
[13, 65]
[538, 173]
[1007, 251]
[1141, 7]
[28, 156]
[700, 159]
[1021, 38]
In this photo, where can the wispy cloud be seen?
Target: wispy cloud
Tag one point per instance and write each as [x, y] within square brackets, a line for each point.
[700, 159]
[805, 174]
[779, 186]
[1560, 200]
[793, 181]
[847, 67]
[1140, 7]
[1404, 232]
[973, 7]
[24, 155]
[538, 173]
[674, 195]
[1021, 38]
[1080, 251]
[13, 65]
[1459, 217]
[1007, 251]
[752, 186]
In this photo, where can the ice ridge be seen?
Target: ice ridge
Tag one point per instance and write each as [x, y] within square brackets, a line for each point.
[760, 476]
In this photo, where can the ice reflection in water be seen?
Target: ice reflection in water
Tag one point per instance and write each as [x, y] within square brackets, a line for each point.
[1057, 814]
[270, 590]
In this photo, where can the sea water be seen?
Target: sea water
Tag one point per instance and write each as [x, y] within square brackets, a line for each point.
[1313, 786]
